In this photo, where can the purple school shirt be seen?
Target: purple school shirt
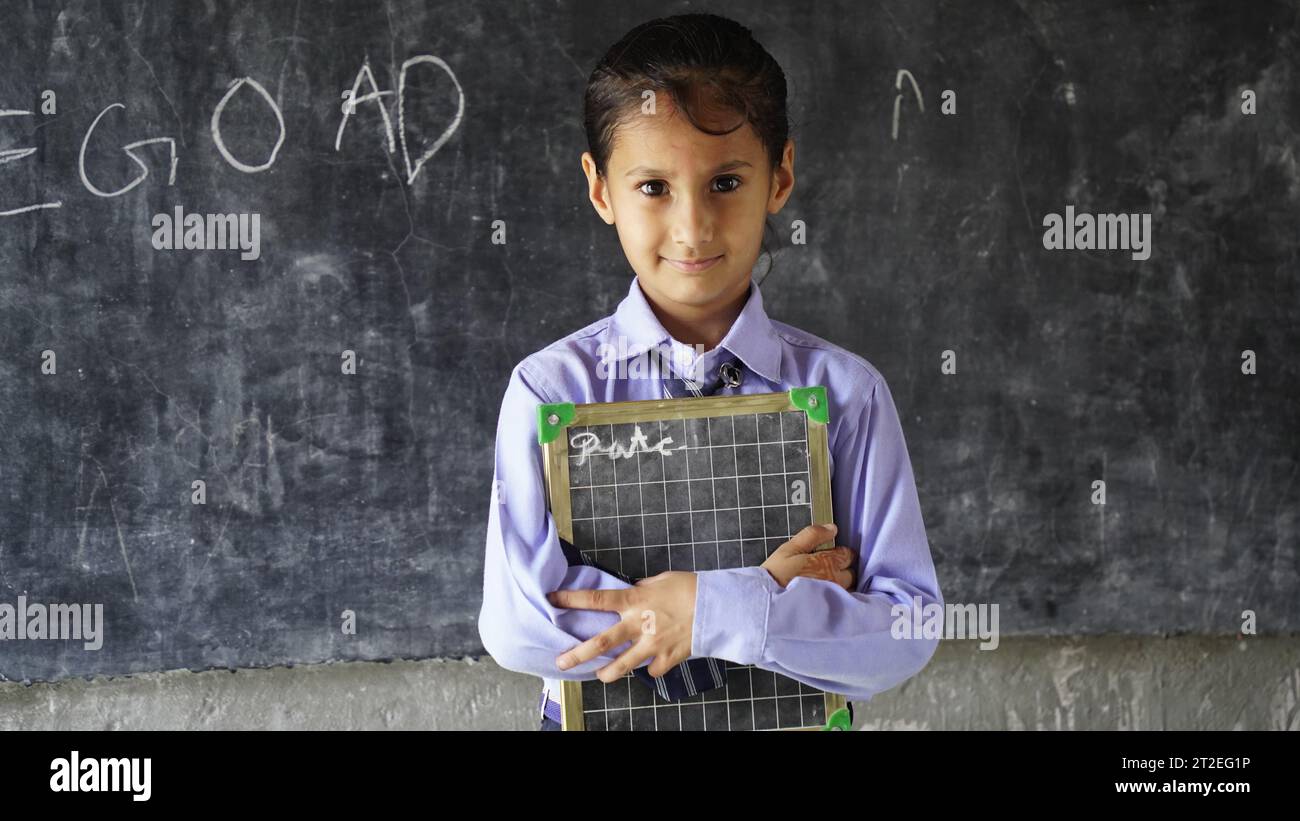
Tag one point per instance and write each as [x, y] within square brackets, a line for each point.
[812, 630]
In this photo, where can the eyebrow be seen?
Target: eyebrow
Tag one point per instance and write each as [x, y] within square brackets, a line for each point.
[643, 171]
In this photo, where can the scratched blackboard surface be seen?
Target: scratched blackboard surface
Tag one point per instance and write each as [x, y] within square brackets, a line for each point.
[368, 492]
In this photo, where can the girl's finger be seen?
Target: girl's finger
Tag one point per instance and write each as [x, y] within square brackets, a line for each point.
[662, 664]
[626, 662]
[806, 540]
[822, 564]
[600, 644]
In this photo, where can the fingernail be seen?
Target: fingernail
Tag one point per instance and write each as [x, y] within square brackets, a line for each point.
[562, 663]
[833, 529]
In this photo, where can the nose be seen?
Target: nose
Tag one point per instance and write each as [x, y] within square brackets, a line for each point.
[692, 224]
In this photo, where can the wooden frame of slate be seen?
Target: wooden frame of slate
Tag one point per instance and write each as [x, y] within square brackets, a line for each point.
[692, 451]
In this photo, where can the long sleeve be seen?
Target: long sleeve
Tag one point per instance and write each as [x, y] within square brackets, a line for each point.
[524, 560]
[814, 630]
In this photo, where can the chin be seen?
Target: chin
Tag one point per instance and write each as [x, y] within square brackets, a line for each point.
[694, 293]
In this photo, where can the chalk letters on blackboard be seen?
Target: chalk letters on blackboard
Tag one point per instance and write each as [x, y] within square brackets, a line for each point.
[216, 126]
[349, 107]
[11, 154]
[130, 152]
[898, 98]
[351, 101]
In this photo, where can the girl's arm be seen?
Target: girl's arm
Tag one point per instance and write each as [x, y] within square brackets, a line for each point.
[814, 630]
[519, 628]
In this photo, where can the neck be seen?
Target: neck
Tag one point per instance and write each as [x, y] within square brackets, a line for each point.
[692, 325]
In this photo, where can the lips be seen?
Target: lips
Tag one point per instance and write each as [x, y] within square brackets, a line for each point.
[693, 265]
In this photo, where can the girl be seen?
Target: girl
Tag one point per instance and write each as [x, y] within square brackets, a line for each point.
[689, 151]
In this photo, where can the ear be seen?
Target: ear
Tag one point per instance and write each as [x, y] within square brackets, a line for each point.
[782, 180]
[597, 190]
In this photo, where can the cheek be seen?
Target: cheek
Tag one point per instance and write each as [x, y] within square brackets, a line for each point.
[638, 234]
[634, 239]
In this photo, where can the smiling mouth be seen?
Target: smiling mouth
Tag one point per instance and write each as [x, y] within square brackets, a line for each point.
[695, 264]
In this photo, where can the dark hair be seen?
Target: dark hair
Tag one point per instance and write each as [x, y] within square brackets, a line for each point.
[687, 56]
[698, 59]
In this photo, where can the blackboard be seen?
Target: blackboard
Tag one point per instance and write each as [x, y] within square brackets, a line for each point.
[642, 487]
[369, 492]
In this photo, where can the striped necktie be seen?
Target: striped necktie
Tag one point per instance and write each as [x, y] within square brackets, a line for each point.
[695, 675]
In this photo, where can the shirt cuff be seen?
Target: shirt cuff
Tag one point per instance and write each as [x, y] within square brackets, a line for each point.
[731, 606]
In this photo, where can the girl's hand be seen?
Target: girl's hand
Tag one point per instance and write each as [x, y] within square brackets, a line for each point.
[796, 558]
[658, 617]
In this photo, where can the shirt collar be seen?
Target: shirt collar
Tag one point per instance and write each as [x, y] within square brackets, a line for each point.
[751, 338]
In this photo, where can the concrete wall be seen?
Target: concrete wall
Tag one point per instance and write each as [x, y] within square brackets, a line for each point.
[1075, 684]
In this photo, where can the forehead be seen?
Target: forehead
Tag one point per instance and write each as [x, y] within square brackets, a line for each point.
[667, 141]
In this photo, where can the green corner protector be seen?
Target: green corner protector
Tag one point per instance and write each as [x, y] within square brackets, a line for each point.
[551, 419]
[811, 401]
[839, 720]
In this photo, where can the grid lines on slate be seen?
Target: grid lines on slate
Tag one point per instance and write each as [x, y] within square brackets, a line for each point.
[693, 494]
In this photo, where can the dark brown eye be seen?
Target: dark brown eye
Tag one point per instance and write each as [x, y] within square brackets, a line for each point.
[734, 178]
[727, 189]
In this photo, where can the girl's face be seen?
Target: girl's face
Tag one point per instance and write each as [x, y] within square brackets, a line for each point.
[677, 195]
